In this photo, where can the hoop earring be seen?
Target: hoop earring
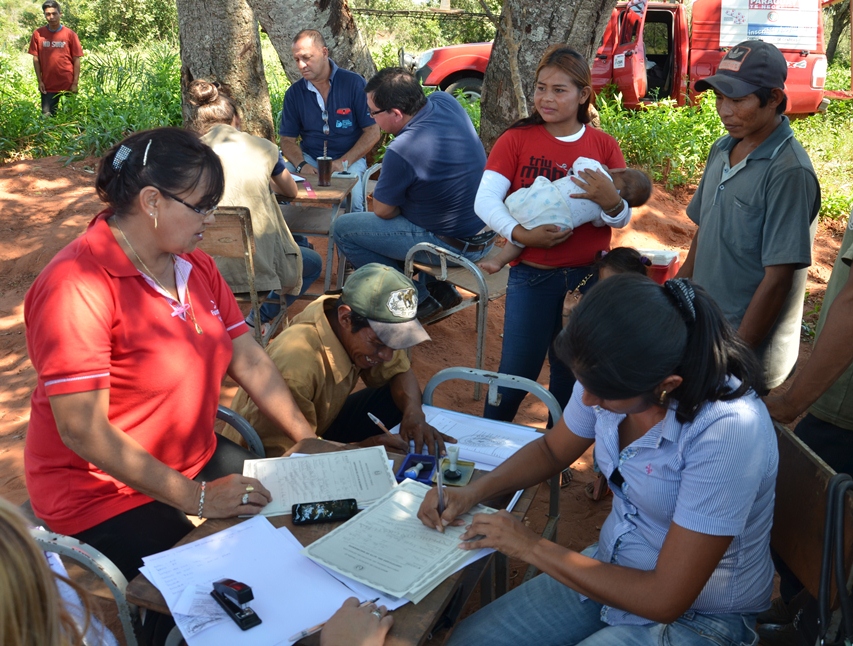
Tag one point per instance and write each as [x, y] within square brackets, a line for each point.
[662, 399]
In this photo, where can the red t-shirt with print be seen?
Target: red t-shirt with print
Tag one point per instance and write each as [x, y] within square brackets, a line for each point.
[56, 52]
[523, 154]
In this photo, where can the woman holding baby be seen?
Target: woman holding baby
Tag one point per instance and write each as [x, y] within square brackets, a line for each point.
[554, 259]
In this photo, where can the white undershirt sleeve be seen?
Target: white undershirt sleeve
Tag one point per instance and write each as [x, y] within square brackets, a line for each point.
[489, 204]
[620, 220]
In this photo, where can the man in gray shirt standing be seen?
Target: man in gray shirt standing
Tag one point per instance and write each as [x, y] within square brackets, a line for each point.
[756, 207]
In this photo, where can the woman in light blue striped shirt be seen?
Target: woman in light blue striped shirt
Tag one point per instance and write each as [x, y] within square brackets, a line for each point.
[666, 391]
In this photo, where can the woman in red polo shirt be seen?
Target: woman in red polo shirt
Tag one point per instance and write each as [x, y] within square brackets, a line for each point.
[131, 330]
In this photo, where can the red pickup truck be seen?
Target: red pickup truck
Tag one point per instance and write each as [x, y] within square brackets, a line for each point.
[651, 50]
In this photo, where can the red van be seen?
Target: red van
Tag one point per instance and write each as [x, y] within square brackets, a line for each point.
[649, 50]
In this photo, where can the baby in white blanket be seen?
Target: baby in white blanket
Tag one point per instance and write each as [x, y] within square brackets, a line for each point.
[547, 202]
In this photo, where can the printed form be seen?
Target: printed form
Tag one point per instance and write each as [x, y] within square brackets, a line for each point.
[387, 548]
[363, 474]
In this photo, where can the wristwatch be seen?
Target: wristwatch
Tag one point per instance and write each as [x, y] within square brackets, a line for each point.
[301, 166]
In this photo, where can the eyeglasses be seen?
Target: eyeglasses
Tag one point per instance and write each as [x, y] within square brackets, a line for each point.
[202, 212]
[373, 113]
[325, 122]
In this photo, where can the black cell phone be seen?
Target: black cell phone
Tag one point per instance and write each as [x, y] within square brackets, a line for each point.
[330, 511]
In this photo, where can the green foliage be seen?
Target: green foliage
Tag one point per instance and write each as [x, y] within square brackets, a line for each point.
[120, 92]
[97, 22]
[472, 107]
[421, 31]
[128, 23]
[669, 142]
[385, 56]
[838, 76]
[826, 137]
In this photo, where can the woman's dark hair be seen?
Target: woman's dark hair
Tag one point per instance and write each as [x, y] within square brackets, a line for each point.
[622, 260]
[212, 105]
[572, 63]
[395, 87]
[172, 159]
[628, 334]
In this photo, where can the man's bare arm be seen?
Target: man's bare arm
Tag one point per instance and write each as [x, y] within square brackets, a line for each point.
[686, 270]
[360, 148]
[766, 303]
[831, 356]
[293, 153]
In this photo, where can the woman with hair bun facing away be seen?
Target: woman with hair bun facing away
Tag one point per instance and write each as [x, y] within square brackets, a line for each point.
[253, 166]
[667, 393]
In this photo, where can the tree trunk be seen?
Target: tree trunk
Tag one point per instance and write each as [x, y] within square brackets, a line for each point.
[283, 19]
[220, 42]
[535, 26]
[840, 19]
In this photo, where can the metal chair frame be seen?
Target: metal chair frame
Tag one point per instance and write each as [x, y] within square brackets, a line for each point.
[222, 239]
[456, 276]
[94, 560]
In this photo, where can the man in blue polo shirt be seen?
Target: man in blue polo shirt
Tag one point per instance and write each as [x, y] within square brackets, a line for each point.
[430, 175]
[326, 107]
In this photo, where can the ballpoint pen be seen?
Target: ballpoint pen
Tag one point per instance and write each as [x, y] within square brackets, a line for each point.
[376, 421]
[319, 627]
[439, 481]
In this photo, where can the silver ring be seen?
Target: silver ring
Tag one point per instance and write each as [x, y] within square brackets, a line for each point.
[376, 613]
[245, 499]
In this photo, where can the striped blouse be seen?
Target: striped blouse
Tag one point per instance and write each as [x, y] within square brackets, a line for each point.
[715, 475]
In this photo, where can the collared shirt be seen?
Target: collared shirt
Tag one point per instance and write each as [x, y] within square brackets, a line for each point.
[760, 213]
[319, 372]
[715, 475]
[346, 111]
[94, 322]
[432, 169]
[836, 404]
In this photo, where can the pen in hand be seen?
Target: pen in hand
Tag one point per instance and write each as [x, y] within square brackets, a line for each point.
[439, 481]
[319, 627]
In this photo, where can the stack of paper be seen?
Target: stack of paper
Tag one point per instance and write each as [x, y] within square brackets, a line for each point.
[291, 592]
[363, 474]
[387, 547]
[484, 441]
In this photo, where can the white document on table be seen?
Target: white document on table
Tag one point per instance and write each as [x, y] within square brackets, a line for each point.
[483, 441]
[291, 592]
[363, 474]
[387, 547]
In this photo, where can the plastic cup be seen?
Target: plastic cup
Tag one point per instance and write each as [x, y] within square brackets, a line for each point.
[324, 171]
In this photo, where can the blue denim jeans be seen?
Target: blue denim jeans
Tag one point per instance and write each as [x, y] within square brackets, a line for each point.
[356, 168]
[365, 237]
[534, 306]
[544, 612]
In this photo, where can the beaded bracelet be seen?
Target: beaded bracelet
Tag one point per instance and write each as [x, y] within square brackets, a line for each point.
[201, 501]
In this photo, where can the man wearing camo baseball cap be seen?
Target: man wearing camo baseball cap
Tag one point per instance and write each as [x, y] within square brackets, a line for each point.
[756, 207]
[338, 339]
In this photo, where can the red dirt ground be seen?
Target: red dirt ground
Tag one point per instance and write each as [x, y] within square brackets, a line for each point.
[46, 204]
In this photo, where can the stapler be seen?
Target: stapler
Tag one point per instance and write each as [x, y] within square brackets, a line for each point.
[234, 597]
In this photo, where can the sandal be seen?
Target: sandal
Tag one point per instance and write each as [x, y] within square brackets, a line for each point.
[566, 477]
[597, 489]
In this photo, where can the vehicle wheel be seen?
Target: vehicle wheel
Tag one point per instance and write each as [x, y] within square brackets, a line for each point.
[471, 87]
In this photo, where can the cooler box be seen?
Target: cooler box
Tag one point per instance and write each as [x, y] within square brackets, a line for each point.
[665, 264]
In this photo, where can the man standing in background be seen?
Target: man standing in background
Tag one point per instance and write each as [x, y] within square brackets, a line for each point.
[56, 55]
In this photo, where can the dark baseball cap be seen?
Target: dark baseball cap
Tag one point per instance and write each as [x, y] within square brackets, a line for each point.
[389, 302]
[747, 67]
